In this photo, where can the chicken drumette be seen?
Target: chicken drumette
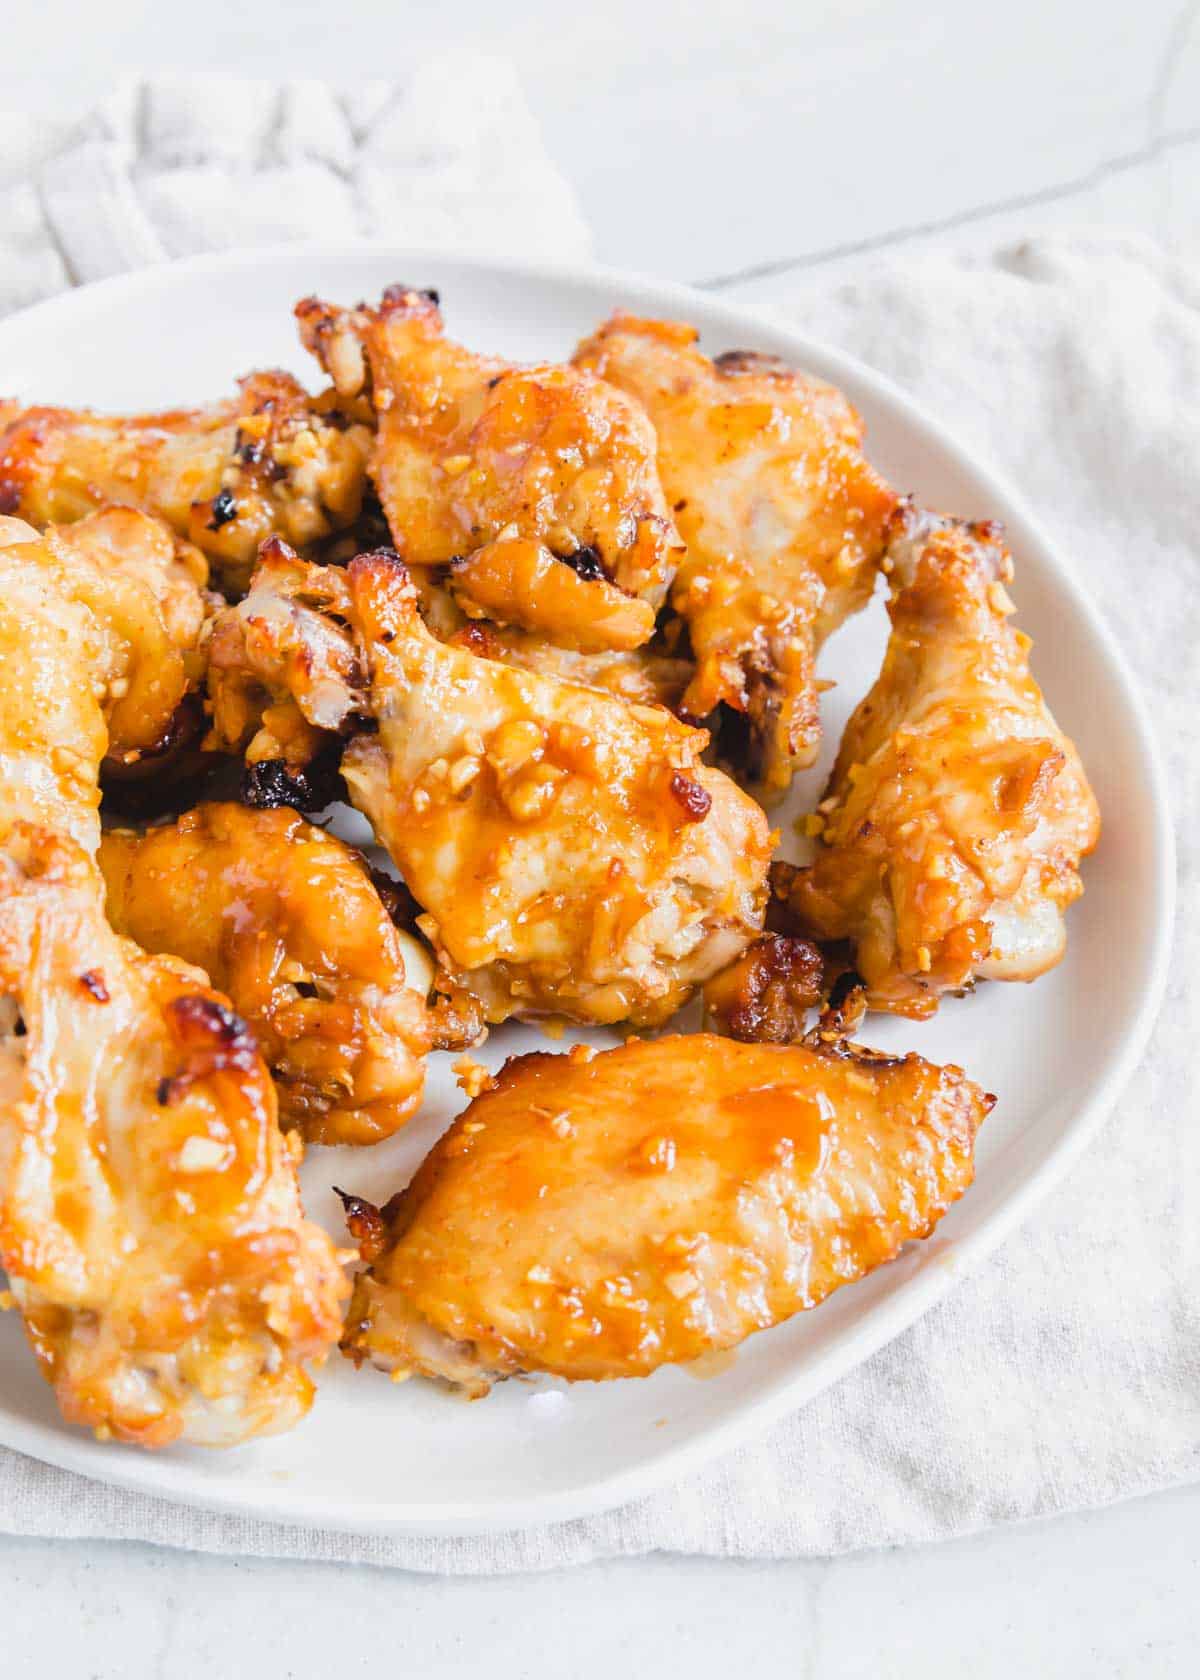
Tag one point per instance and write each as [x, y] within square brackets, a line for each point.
[272, 459]
[536, 486]
[598, 1216]
[782, 515]
[289, 922]
[958, 811]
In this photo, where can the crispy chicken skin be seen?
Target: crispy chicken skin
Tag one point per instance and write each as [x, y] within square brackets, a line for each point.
[782, 515]
[958, 812]
[765, 996]
[572, 852]
[150, 1222]
[601, 1217]
[287, 921]
[271, 460]
[537, 486]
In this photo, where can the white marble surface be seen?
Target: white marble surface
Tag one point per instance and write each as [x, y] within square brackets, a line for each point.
[725, 143]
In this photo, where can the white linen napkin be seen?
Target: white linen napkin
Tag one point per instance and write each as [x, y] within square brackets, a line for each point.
[1066, 1372]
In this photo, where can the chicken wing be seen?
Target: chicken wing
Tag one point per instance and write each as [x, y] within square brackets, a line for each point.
[287, 921]
[272, 459]
[150, 1222]
[782, 515]
[573, 854]
[958, 811]
[598, 1216]
[537, 486]
[149, 587]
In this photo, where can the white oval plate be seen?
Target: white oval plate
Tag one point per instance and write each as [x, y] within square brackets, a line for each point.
[378, 1458]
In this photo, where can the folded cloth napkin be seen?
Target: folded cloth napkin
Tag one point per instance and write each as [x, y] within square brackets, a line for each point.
[450, 157]
[1066, 1372]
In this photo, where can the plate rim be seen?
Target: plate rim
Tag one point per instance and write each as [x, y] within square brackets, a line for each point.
[175, 1480]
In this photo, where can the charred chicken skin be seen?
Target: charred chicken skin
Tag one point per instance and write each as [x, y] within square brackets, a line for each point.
[782, 515]
[287, 921]
[536, 486]
[958, 811]
[598, 1216]
[271, 460]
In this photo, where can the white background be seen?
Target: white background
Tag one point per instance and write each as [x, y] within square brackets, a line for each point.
[727, 143]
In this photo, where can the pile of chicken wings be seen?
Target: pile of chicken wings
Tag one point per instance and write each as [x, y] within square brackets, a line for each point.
[553, 631]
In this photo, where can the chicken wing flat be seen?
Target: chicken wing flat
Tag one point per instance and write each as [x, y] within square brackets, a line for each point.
[782, 515]
[150, 1222]
[536, 486]
[572, 853]
[273, 459]
[601, 1217]
[287, 921]
[958, 811]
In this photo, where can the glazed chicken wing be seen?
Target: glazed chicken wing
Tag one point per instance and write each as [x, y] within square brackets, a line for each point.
[573, 854]
[958, 811]
[782, 515]
[99, 633]
[272, 459]
[149, 588]
[287, 921]
[150, 1222]
[601, 1217]
[536, 486]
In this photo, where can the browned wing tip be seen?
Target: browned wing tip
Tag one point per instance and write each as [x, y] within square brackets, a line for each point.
[365, 1223]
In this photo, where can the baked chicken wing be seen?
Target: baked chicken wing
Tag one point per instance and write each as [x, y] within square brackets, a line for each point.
[148, 587]
[572, 852]
[271, 460]
[782, 515]
[598, 1216]
[536, 486]
[288, 922]
[958, 811]
[150, 1222]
